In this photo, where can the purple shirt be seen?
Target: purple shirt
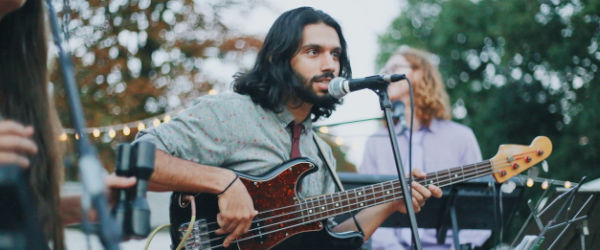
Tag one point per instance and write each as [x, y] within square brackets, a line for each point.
[444, 144]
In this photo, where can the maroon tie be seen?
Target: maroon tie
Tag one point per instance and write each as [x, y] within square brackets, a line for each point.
[296, 130]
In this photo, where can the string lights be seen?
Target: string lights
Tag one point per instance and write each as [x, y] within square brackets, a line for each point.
[546, 183]
[124, 128]
[529, 182]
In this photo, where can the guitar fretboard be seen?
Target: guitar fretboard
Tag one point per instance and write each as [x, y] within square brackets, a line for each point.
[326, 206]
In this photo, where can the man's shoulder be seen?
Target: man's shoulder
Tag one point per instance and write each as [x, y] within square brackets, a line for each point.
[223, 102]
[225, 98]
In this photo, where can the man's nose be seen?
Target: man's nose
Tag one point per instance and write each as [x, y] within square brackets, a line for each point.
[329, 63]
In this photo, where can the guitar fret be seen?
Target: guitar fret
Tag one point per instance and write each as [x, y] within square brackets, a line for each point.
[320, 207]
[330, 207]
[302, 210]
[337, 203]
[361, 197]
[327, 206]
[374, 200]
[357, 195]
[389, 191]
[311, 210]
[353, 204]
[346, 202]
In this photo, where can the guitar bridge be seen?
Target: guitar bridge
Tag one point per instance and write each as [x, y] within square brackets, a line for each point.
[199, 238]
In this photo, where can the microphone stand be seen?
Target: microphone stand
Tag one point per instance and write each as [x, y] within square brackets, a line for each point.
[90, 167]
[386, 106]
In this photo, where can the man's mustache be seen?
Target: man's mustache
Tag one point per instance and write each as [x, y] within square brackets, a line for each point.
[324, 75]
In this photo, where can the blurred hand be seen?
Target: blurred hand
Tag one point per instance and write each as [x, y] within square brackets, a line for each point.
[236, 211]
[420, 194]
[113, 182]
[16, 143]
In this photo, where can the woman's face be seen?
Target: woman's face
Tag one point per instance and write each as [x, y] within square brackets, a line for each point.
[8, 6]
[397, 64]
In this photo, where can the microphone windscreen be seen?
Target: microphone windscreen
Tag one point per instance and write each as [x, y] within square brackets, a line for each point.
[336, 87]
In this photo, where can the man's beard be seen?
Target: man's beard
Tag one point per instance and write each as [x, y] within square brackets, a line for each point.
[306, 93]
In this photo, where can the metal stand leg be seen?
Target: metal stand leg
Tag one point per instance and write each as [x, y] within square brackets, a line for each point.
[454, 226]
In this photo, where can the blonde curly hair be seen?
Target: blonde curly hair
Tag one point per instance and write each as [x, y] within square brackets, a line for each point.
[430, 96]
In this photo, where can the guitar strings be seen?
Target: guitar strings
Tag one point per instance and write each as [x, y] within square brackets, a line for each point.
[437, 175]
[448, 173]
[319, 218]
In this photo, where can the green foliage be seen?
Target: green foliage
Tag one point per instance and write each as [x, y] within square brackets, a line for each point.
[514, 70]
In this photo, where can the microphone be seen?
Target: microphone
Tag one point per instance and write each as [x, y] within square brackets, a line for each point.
[339, 86]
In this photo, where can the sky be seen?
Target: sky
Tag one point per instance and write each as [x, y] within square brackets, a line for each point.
[361, 24]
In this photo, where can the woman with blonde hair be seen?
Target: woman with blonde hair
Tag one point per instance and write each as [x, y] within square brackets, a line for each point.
[438, 143]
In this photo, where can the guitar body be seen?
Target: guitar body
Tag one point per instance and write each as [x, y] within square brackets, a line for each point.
[279, 225]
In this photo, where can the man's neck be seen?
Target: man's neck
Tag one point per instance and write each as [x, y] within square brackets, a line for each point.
[416, 123]
[300, 112]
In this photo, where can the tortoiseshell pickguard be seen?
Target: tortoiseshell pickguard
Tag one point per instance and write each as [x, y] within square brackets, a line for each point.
[279, 194]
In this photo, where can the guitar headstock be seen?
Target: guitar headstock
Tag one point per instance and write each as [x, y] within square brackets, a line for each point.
[513, 159]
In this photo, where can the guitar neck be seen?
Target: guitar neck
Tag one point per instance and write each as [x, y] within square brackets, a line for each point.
[326, 206]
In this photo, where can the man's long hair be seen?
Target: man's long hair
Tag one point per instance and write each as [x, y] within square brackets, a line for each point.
[431, 98]
[24, 98]
[272, 82]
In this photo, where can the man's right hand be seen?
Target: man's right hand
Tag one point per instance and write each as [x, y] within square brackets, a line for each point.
[236, 212]
[15, 141]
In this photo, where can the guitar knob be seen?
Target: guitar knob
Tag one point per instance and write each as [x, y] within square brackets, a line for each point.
[502, 173]
[515, 166]
[540, 152]
[528, 159]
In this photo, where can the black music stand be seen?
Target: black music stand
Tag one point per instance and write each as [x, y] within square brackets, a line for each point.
[575, 227]
[455, 210]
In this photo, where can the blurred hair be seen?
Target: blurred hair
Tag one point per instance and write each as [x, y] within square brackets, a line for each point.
[24, 98]
[272, 81]
[430, 96]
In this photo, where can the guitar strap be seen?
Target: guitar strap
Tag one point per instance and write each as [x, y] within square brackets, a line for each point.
[321, 146]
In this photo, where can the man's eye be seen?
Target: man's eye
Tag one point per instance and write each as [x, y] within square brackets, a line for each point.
[312, 52]
[336, 54]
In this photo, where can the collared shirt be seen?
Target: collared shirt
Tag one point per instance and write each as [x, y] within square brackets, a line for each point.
[231, 131]
[442, 145]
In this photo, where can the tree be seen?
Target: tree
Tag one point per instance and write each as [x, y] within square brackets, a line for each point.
[137, 59]
[515, 69]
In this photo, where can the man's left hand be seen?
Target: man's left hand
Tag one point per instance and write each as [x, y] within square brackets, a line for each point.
[420, 194]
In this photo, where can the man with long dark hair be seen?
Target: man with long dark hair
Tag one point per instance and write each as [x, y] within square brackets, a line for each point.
[266, 122]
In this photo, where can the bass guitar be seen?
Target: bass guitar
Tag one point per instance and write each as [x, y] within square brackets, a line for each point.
[287, 221]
